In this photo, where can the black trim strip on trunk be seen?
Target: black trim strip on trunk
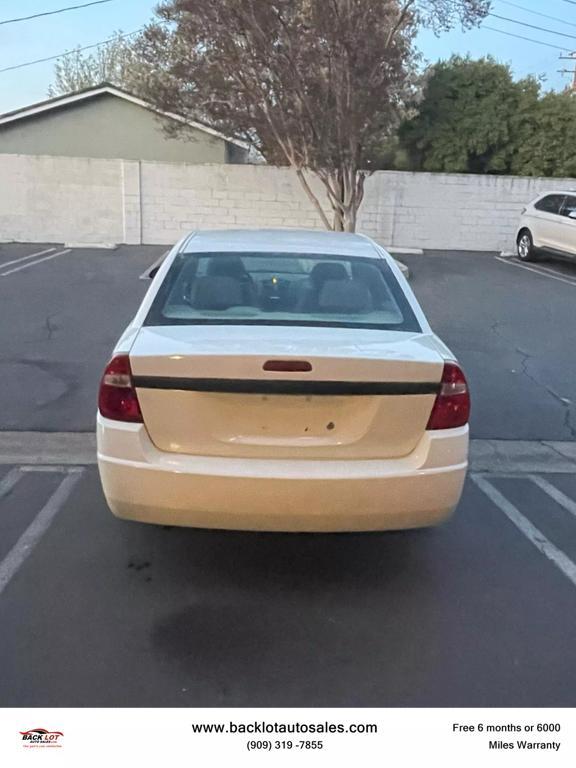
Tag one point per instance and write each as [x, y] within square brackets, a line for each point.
[278, 387]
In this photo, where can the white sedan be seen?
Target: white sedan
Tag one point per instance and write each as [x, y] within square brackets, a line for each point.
[548, 226]
[282, 381]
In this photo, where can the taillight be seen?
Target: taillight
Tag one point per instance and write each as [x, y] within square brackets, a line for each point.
[117, 398]
[452, 406]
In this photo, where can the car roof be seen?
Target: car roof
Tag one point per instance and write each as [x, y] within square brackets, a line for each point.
[281, 240]
[555, 192]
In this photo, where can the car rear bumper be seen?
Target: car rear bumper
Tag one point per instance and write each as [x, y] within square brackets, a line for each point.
[145, 484]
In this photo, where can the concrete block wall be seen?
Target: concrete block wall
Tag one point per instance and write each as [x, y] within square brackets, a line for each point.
[418, 210]
[179, 198]
[61, 199]
[449, 211]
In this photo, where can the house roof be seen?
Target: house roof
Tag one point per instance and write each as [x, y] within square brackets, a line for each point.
[106, 88]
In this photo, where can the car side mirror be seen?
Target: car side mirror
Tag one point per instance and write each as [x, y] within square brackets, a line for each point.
[572, 214]
[152, 271]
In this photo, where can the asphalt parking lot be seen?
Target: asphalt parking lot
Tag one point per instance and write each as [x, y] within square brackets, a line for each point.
[512, 328]
[479, 612]
[61, 314]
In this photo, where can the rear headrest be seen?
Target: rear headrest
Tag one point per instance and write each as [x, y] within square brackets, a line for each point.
[370, 275]
[342, 296]
[227, 266]
[217, 293]
[327, 270]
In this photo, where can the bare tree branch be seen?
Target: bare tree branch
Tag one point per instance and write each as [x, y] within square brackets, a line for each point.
[315, 83]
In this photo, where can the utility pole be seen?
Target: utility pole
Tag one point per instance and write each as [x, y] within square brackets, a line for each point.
[570, 57]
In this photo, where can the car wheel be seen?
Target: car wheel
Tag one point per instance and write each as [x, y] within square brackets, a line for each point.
[525, 246]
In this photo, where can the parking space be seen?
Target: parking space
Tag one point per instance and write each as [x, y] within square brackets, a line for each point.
[109, 613]
[96, 611]
[12, 252]
[512, 329]
[19, 263]
[563, 270]
[60, 319]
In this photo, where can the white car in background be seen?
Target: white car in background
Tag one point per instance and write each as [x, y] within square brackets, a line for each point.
[282, 381]
[548, 225]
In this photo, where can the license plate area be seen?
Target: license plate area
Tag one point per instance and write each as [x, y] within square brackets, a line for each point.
[292, 417]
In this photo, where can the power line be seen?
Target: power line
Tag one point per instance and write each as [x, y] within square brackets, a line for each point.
[532, 26]
[76, 50]
[537, 13]
[521, 37]
[52, 13]
[131, 34]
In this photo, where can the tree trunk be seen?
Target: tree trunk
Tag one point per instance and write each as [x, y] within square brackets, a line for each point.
[345, 192]
[350, 221]
[337, 220]
[308, 189]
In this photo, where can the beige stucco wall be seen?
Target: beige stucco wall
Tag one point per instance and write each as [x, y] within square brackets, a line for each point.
[106, 126]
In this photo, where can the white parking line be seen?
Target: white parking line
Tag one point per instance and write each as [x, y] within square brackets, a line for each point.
[533, 534]
[56, 468]
[33, 263]
[559, 497]
[14, 560]
[542, 271]
[25, 258]
[9, 481]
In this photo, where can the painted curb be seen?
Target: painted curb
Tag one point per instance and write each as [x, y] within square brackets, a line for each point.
[407, 251]
[90, 246]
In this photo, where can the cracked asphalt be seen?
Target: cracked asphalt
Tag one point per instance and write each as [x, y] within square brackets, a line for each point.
[100, 612]
[60, 320]
[514, 332]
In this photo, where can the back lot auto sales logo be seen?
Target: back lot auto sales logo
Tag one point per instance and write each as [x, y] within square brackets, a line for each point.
[40, 737]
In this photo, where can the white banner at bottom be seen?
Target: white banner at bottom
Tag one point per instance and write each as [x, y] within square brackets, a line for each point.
[283, 737]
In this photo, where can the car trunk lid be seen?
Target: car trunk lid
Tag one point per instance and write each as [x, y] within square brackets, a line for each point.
[225, 390]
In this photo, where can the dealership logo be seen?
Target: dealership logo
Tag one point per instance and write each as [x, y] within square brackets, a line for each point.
[40, 737]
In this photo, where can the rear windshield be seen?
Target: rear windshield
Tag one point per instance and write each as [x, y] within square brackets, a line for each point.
[281, 289]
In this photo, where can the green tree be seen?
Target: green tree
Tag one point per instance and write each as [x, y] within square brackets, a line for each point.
[116, 62]
[314, 84]
[472, 118]
[549, 147]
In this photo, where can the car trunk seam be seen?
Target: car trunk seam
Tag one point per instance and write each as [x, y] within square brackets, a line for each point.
[288, 387]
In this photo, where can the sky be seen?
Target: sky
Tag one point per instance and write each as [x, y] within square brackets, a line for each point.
[52, 35]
